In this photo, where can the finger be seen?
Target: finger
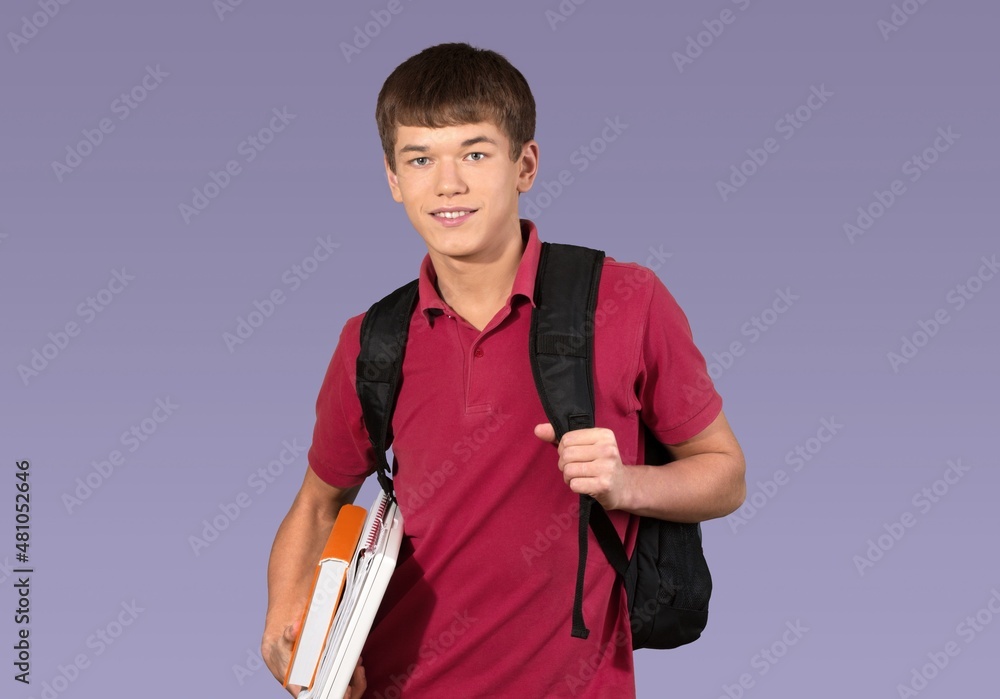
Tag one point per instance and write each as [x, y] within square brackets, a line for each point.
[583, 486]
[577, 470]
[279, 655]
[602, 498]
[583, 454]
[275, 660]
[590, 435]
[358, 683]
[546, 432]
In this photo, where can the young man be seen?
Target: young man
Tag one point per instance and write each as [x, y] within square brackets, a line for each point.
[480, 603]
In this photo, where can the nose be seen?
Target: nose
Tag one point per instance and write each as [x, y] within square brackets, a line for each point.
[449, 179]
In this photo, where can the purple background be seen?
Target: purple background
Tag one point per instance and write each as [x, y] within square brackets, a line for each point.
[654, 188]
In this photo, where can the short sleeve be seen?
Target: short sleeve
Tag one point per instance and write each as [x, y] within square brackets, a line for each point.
[341, 454]
[677, 397]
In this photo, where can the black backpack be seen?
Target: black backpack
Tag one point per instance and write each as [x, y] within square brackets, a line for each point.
[667, 581]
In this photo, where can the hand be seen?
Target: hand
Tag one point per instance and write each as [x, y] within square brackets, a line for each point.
[358, 682]
[590, 464]
[277, 652]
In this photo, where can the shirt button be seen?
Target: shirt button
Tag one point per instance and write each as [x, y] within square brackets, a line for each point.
[479, 352]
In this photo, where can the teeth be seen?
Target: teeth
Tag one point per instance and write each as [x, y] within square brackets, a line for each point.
[452, 214]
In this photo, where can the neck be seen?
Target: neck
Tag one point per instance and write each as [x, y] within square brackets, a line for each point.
[479, 288]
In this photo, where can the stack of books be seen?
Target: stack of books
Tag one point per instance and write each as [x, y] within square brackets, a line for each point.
[350, 581]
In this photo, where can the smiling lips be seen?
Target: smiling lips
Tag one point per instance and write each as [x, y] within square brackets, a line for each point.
[452, 216]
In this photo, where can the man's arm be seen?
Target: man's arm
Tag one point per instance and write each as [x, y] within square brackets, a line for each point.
[294, 555]
[706, 480]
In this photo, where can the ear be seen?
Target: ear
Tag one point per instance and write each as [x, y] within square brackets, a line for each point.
[529, 166]
[397, 195]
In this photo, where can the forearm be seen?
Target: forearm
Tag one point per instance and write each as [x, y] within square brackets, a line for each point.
[297, 547]
[692, 489]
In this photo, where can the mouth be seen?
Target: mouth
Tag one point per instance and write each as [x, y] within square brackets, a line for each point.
[453, 216]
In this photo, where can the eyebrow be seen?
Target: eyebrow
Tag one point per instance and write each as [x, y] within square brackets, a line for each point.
[465, 144]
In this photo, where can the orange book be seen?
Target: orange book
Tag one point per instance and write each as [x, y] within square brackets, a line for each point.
[327, 586]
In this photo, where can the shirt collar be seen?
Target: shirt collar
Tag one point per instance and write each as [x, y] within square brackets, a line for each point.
[431, 303]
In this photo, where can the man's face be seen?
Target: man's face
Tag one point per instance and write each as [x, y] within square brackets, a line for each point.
[465, 170]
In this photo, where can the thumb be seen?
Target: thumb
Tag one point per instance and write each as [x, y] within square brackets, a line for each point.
[546, 432]
[292, 630]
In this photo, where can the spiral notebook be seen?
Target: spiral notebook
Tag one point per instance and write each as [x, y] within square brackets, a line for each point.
[367, 580]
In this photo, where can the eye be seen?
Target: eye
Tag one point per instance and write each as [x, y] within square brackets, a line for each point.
[482, 155]
[416, 162]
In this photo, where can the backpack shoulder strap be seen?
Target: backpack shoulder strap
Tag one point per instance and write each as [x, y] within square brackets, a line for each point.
[561, 343]
[561, 349]
[380, 367]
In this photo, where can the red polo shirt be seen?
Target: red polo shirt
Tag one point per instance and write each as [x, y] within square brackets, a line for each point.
[480, 603]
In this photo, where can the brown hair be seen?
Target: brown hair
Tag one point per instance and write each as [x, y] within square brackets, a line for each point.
[451, 85]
